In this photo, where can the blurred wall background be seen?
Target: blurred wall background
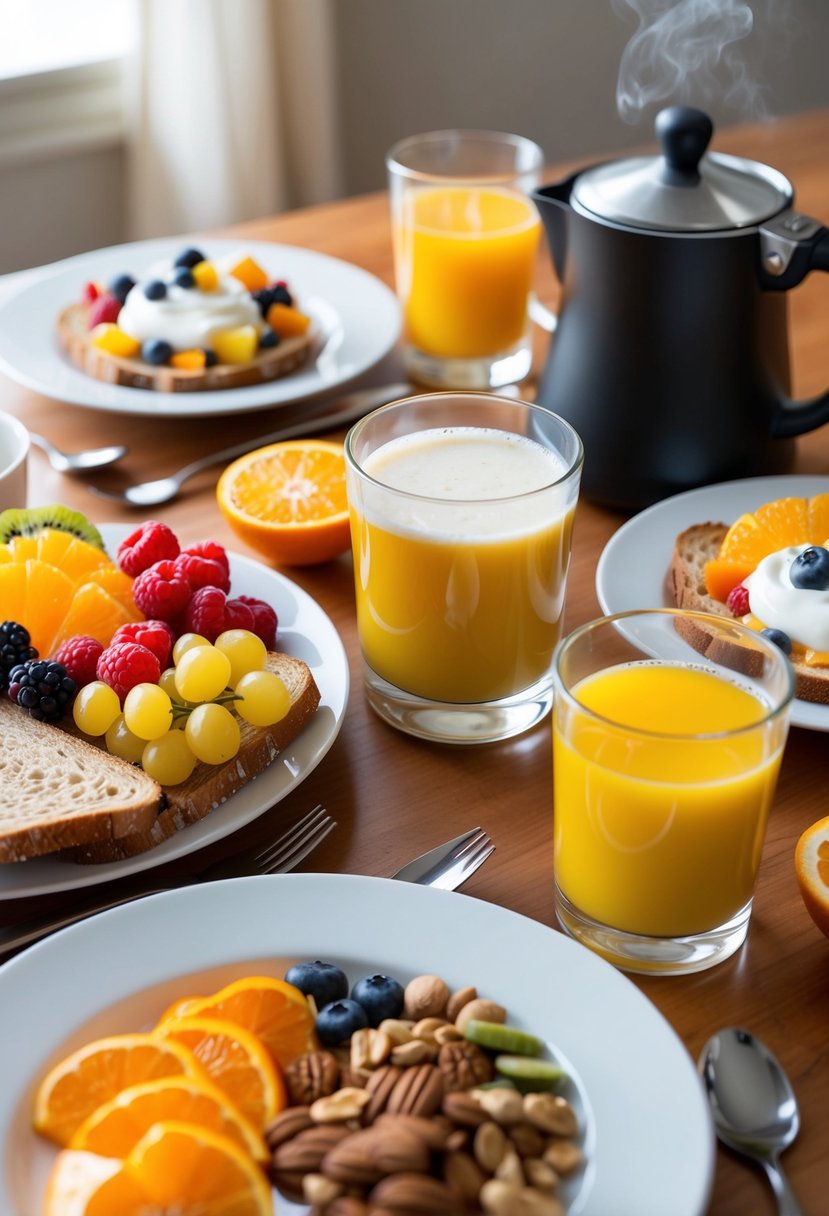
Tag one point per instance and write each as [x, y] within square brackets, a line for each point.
[548, 69]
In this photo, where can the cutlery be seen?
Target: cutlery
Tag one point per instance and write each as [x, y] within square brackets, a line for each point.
[447, 867]
[350, 407]
[753, 1104]
[79, 462]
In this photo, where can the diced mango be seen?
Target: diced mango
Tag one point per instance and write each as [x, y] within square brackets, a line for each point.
[250, 273]
[286, 321]
[236, 345]
[108, 337]
[816, 658]
[721, 577]
[206, 276]
[188, 360]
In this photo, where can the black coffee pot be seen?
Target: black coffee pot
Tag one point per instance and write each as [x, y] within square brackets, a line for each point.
[670, 355]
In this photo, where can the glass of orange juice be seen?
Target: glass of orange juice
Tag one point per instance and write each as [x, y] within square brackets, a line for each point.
[465, 236]
[668, 731]
[461, 517]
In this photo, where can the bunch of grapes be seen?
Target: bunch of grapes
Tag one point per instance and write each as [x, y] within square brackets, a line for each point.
[193, 712]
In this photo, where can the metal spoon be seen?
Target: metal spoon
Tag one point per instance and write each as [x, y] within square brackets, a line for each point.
[79, 462]
[753, 1104]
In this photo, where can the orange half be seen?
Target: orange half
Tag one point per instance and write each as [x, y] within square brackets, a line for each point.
[811, 863]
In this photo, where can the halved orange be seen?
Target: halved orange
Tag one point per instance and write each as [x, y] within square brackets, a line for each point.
[774, 525]
[96, 1072]
[116, 1127]
[811, 863]
[288, 501]
[175, 1168]
[236, 1061]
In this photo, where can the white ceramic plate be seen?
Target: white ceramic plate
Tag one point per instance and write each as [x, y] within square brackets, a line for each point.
[649, 1143]
[305, 632]
[634, 564]
[355, 310]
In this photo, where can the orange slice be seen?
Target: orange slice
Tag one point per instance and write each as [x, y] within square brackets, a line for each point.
[176, 1169]
[288, 501]
[819, 518]
[93, 612]
[116, 1127]
[811, 863]
[38, 596]
[276, 1012]
[118, 584]
[95, 1073]
[236, 1061]
[775, 525]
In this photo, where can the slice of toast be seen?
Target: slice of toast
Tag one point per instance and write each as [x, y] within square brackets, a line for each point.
[686, 583]
[270, 364]
[210, 785]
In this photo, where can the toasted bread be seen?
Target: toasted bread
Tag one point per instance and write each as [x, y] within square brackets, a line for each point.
[686, 582]
[270, 364]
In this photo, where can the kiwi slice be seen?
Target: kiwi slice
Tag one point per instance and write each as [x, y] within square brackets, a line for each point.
[528, 1073]
[502, 1038]
[30, 521]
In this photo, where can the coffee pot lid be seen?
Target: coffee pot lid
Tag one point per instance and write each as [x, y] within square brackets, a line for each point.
[685, 189]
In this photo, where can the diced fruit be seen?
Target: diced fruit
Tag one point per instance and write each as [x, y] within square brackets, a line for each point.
[811, 861]
[250, 273]
[498, 1037]
[380, 996]
[189, 360]
[721, 577]
[90, 292]
[287, 321]
[325, 982]
[124, 664]
[529, 1072]
[206, 276]
[339, 1020]
[773, 526]
[114, 341]
[236, 345]
[103, 311]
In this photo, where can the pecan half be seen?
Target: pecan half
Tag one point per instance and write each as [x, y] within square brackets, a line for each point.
[464, 1065]
[313, 1075]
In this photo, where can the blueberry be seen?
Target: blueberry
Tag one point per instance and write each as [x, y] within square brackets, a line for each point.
[156, 289]
[210, 357]
[268, 338]
[121, 286]
[338, 1021]
[156, 351]
[276, 294]
[380, 996]
[810, 569]
[189, 257]
[323, 981]
[184, 277]
[779, 638]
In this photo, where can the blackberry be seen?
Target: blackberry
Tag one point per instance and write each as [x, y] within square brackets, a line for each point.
[15, 648]
[42, 687]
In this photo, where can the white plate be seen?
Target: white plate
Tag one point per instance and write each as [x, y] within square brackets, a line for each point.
[343, 300]
[305, 632]
[649, 1142]
[634, 564]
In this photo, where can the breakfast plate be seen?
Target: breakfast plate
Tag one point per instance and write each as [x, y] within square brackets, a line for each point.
[647, 1139]
[634, 563]
[357, 316]
[306, 632]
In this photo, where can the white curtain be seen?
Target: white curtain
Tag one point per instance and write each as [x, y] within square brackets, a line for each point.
[231, 112]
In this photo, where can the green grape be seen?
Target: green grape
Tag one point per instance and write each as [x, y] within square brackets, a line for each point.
[263, 698]
[168, 759]
[245, 650]
[148, 711]
[96, 707]
[213, 733]
[186, 642]
[122, 742]
[167, 681]
[202, 673]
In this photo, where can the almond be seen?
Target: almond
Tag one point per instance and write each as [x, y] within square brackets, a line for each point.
[414, 1195]
[364, 1157]
[304, 1153]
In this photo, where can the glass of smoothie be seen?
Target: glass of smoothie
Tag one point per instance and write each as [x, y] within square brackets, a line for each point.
[465, 236]
[668, 731]
[461, 518]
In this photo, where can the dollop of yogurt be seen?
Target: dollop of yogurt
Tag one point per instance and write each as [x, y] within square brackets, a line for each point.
[802, 613]
[187, 317]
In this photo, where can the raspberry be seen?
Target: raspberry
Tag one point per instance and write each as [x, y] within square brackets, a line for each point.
[202, 571]
[152, 542]
[212, 550]
[105, 308]
[206, 613]
[265, 620]
[162, 593]
[737, 601]
[42, 687]
[157, 636]
[238, 616]
[79, 655]
[124, 664]
[91, 292]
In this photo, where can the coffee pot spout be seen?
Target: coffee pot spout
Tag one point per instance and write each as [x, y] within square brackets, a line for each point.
[553, 203]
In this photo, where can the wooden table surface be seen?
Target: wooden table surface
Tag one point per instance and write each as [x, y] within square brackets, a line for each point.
[393, 796]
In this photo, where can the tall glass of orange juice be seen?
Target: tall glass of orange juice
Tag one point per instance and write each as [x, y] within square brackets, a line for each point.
[465, 237]
[668, 731]
[461, 517]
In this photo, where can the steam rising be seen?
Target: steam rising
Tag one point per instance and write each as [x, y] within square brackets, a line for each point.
[687, 51]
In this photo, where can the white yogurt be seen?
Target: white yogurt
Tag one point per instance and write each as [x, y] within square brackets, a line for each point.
[800, 612]
[188, 317]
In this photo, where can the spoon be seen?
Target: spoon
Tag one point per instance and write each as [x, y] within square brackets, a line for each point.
[78, 462]
[753, 1104]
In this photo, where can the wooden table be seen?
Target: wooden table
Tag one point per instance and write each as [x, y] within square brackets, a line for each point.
[394, 797]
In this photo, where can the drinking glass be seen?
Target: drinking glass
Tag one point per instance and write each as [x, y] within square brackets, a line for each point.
[465, 237]
[668, 731]
[461, 516]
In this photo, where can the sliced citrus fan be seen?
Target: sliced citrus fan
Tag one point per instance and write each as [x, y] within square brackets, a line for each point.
[95, 1073]
[288, 501]
[175, 1169]
[775, 525]
[811, 861]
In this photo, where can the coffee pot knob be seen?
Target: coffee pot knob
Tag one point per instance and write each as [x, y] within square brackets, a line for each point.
[683, 133]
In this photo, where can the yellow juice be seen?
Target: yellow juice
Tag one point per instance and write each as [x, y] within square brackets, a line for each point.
[459, 597]
[465, 262]
[654, 833]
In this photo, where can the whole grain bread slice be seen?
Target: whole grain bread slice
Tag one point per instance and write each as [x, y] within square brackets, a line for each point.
[210, 785]
[60, 791]
[269, 364]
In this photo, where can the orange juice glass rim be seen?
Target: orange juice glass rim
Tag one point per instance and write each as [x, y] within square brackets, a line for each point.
[529, 157]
